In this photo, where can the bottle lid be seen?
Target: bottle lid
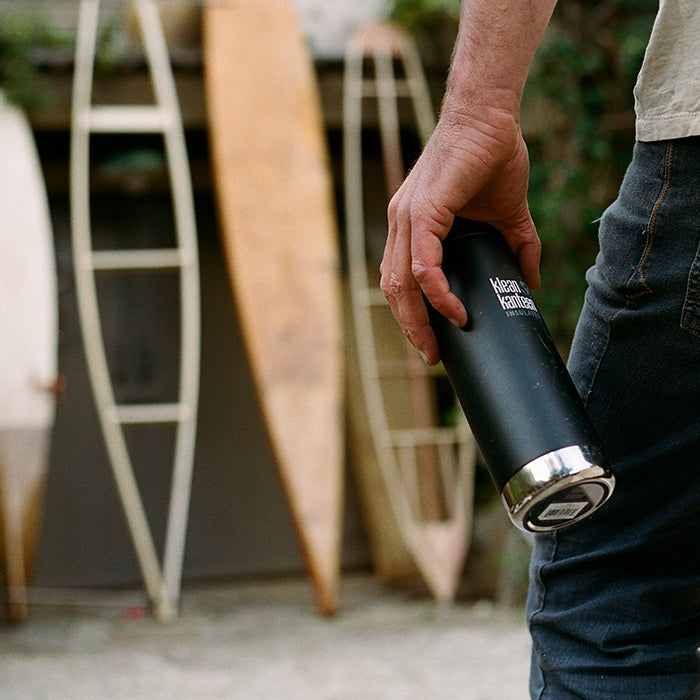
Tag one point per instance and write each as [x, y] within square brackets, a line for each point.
[558, 489]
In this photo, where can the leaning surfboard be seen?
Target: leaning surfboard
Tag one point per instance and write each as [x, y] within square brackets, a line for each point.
[274, 190]
[425, 459]
[28, 351]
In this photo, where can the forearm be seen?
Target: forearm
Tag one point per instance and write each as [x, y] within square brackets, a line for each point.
[496, 44]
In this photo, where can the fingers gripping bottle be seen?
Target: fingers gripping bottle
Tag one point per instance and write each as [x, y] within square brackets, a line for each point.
[522, 406]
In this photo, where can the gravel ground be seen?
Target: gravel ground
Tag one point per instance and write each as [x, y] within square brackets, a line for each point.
[263, 640]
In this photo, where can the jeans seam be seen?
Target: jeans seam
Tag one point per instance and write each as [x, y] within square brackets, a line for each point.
[608, 323]
[650, 229]
[541, 607]
[690, 306]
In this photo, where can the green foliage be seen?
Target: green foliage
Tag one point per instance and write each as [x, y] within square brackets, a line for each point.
[433, 23]
[584, 72]
[420, 14]
[21, 35]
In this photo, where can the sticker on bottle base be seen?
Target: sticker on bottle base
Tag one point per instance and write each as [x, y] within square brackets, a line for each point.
[562, 511]
[571, 505]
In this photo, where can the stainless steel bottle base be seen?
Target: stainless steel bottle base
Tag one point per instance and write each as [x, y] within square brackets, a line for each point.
[557, 489]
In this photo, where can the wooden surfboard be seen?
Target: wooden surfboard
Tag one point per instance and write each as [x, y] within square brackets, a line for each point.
[28, 351]
[273, 184]
[426, 461]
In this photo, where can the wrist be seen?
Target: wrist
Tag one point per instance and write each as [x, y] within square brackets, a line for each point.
[495, 46]
[464, 102]
[487, 125]
[476, 88]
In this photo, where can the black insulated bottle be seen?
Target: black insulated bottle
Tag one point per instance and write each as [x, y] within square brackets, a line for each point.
[524, 411]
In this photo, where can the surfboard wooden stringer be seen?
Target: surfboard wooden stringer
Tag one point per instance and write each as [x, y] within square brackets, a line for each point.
[162, 582]
[427, 468]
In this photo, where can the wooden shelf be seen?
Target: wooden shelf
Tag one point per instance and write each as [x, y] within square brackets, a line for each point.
[130, 84]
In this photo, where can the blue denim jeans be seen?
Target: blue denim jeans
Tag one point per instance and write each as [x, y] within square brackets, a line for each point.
[614, 604]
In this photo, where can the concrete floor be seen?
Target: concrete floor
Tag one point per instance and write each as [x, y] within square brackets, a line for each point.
[262, 640]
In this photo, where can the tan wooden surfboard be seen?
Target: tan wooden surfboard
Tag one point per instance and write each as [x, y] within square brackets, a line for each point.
[277, 220]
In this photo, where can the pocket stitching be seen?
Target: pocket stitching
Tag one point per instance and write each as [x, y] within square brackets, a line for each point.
[651, 226]
[690, 316]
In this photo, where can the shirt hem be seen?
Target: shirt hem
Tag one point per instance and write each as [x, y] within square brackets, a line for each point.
[664, 128]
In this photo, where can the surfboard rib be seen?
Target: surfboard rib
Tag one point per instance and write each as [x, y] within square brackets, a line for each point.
[162, 583]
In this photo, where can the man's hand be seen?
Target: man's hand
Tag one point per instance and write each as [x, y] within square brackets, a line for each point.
[476, 166]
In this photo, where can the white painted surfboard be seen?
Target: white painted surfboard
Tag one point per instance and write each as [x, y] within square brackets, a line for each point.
[28, 349]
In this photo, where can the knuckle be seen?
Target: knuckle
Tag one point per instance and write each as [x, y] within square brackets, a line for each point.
[385, 287]
[410, 336]
[393, 207]
[392, 286]
[420, 271]
[396, 286]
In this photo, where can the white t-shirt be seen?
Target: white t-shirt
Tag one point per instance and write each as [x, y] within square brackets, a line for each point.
[667, 94]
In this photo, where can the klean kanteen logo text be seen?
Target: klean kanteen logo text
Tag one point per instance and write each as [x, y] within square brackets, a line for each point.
[514, 297]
